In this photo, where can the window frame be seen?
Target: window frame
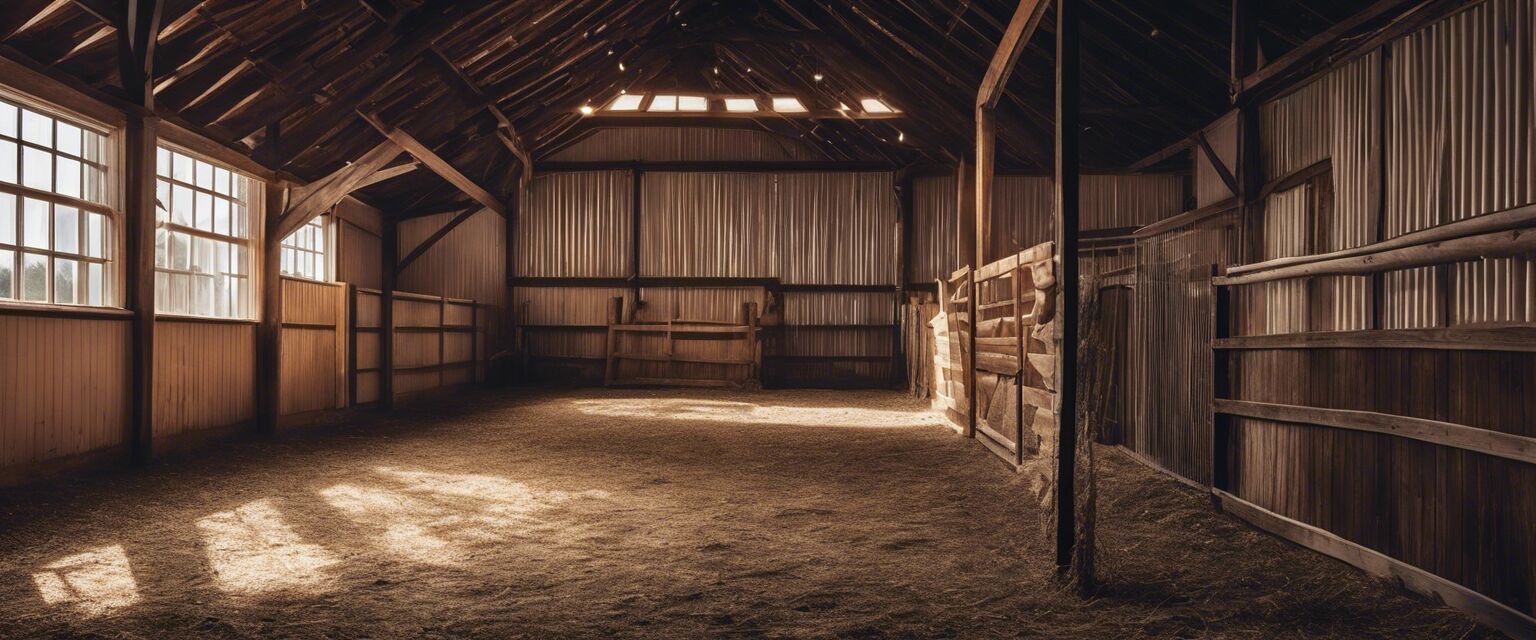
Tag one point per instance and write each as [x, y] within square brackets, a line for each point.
[250, 242]
[108, 163]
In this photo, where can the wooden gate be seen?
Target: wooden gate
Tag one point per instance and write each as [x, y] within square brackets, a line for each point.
[1015, 354]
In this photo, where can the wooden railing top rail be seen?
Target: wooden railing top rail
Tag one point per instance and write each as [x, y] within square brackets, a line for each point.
[1505, 233]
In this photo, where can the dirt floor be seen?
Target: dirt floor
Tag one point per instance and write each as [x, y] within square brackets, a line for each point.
[652, 514]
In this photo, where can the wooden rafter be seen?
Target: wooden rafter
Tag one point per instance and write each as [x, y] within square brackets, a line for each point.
[1020, 29]
[437, 164]
[306, 202]
[505, 132]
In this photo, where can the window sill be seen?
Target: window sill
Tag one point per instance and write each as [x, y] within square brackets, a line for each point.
[13, 308]
[176, 317]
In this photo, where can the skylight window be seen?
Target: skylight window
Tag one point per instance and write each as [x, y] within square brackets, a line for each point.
[663, 103]
[626, 102]
[692, 103]
[788, 104]
[741, 105]
[872, 105]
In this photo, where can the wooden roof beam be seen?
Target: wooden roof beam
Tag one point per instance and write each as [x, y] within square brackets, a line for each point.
[306, 202]
[426, 245]
[1026, 19]
[506, 132]
[437, 164]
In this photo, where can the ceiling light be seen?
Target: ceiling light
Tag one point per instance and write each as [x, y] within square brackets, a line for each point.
[901, 137]
[621, 66]
[817, 77]
[586, 109]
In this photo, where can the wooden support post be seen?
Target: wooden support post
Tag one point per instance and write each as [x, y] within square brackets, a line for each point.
[351, 339]
[966, 251]
[269, 332]
[903, 253]
[390, 248]
[986, 143]
[615, 317]
[474, 343]
[139, 263]
[136, 40]
[1067, 201]
[442, 341]
[637, 182]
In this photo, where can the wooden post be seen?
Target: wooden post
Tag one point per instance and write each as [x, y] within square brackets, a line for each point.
[615, 316]
[986, 143]
[269, 332]
[903, 253]
[966, 252]
[474, 343]
[139, 289]
[1067, 200]
[136, 40]
[351, 339]
[390, 248]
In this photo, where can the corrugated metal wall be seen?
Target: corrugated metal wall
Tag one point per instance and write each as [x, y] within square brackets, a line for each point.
[1461, 143]
[1022, 214]
[803, 228]
[469, 262]
[575, 225]
[685, 144]
[933, 233]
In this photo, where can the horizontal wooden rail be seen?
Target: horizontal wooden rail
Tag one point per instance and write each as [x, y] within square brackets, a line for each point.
[657, 282]
[1185, 219]
[325, 326]
[657, 357]
[1477, 605]
[680, 328]
[1486, 441]
[1476, 338]
[1449, 242]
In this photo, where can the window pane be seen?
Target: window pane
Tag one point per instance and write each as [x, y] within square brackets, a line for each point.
[35, 223]
[7, 219]
[69, 177]
[7, 274]
[237, 220]
[202, 255]
[204, 175]
[8, 115]
[64, 272]
[162, 248]
[162, 292]
[94, 185]
[181, 168]
[162, 200]
[204, 211]
[181, 251]
[180, 283]
[95, 147]
[36, 128]
[95, 286]
[70, 139]
[37, 168]
[221, 181]
[181, 205]
[95, 235]
[202, 297]
[287, 265]
[221, 216]
[66, 229]
[8, 171]
[34, 278]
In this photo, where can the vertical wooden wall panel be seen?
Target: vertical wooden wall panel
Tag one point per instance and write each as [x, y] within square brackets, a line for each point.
[63, 390]
[311, 360]
[204, 375]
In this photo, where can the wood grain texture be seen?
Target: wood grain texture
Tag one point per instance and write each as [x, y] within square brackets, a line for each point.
[63, 389]
[204, 375]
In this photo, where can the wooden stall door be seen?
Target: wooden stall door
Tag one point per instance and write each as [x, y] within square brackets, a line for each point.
[1015, 354]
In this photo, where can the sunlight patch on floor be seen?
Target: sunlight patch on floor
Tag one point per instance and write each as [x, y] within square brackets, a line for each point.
[95, 582]
[753, 413]
[252, 551]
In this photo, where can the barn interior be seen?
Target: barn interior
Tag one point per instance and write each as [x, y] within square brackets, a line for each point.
[767, 318]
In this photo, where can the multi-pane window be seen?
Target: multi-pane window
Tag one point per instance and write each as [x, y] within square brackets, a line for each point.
[55, 225]
[304, 251]
[202, 238]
